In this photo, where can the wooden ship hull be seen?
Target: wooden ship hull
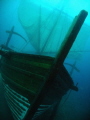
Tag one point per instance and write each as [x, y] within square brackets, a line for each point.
[35, 84]
[24, 76]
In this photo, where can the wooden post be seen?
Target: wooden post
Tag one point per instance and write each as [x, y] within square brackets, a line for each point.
[10, 35]
[64, 49]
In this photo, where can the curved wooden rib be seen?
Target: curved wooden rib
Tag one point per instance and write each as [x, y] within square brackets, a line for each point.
[17, 34]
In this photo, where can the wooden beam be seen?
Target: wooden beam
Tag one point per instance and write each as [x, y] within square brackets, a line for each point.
[9, 37]
[64, 49]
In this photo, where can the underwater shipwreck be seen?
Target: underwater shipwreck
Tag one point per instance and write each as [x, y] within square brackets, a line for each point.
[35, 83]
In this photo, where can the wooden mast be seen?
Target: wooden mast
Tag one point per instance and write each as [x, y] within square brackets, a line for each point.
[64, 49]
[10, 35]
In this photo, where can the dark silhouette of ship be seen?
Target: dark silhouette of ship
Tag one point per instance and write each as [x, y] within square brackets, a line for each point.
[35, 84]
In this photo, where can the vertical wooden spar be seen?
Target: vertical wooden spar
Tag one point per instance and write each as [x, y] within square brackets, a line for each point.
[64, 49]
[10, 35]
